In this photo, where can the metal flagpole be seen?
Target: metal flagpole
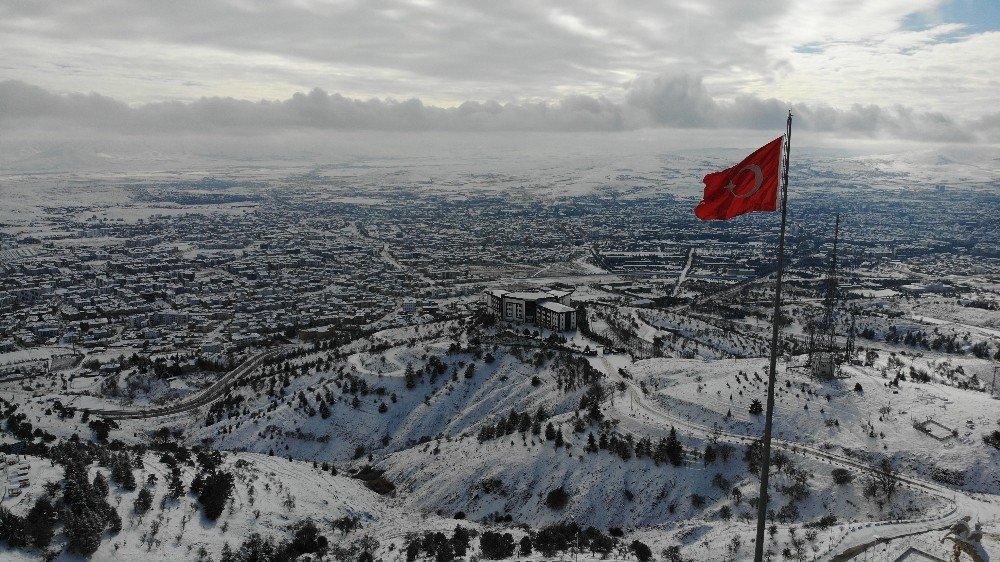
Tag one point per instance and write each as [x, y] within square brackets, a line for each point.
[765, 465]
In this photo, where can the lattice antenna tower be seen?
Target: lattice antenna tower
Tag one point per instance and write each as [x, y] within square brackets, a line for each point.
[851, 334]
[830, 301]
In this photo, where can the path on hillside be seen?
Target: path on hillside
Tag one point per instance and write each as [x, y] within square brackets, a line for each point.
[858, 533]
[206, 396]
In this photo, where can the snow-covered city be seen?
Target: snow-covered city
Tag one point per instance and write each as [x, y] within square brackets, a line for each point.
[638, 310]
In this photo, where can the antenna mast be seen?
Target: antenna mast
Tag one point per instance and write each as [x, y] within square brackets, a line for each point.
[830, 321]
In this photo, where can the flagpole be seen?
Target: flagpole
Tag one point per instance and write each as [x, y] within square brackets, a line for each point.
[765, 464]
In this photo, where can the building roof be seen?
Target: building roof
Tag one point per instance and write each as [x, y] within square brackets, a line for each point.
[556, 307]
[527, 296]
[560, 294]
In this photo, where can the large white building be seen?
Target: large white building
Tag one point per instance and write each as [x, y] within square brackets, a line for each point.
[549, 309]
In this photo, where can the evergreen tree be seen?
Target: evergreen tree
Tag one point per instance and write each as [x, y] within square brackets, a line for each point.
[12, 529]
[40, 522]
[445, 552]
[525, 546]
[143, 501]
[214, 492]
[175, 485]
[674, 451]
[307, 540]
[460, 541]
[121, 471]
[114, 520]
[550, 432]
[495, 546]
[256, 549]
[642, 551]
[709, 457]
[83, 531]
[410, 376]
[100, 485]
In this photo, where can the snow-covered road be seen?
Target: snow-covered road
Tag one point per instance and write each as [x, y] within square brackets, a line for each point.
[857, 534]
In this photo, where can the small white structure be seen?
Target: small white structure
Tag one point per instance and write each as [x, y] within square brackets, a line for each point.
[824, 365]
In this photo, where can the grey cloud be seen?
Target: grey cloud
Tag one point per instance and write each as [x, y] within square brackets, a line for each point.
[666, 101]
[511, 49]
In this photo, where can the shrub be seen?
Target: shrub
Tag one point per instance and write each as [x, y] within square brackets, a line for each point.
[641, 550]
[557, 498]
[495, 546]
[992, 439]
[842, 476]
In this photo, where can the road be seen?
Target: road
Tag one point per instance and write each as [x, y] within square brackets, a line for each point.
[858, 534]
[206, 396]
[684, 272]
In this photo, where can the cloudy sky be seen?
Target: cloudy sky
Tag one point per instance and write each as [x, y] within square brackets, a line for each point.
[911, 69]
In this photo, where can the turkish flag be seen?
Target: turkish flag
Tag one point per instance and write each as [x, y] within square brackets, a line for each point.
[751, 185]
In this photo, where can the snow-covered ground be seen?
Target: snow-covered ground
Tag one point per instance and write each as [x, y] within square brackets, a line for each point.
[411, 406]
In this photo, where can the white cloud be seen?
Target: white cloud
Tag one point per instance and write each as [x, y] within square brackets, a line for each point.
[836, 53]
[666, 101]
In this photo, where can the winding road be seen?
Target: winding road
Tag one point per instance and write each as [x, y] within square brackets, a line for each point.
[206, 396]
[859, 535]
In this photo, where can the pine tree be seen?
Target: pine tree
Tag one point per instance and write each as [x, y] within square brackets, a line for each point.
[525, 549]
[100, 485]
[40, 522]
[175, 486]
[114, 520]
[709, 457]
[83, 532]
[410, 376]
[674, 450]
[215, 491]
[460, 540]
[12, 529]
[550, 432]
[121, 471]
[143, 501]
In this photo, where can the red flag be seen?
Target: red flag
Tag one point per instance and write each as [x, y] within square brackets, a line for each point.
[751, 185]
